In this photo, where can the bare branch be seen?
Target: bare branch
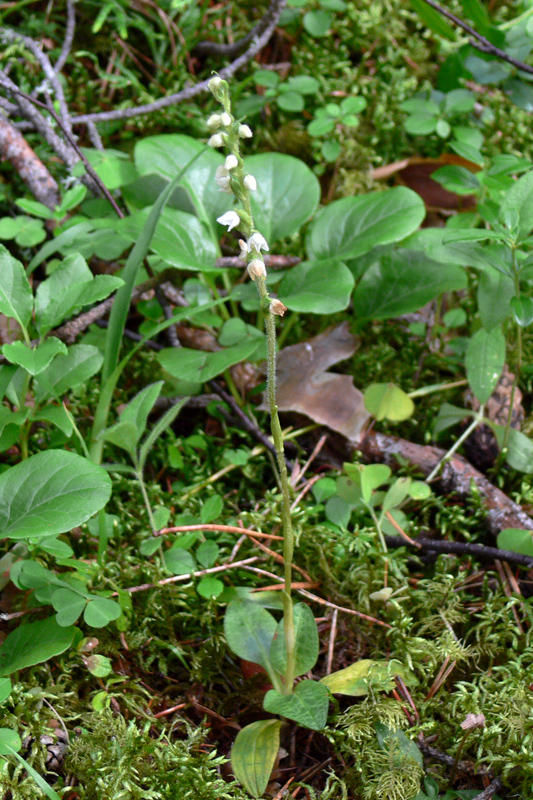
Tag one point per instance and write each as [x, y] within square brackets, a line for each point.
[27, 109]
[191, 91]
[15, 149]
[478, 41]
[69, 37]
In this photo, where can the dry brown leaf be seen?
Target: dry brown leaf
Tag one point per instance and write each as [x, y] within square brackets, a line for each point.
[303, 385]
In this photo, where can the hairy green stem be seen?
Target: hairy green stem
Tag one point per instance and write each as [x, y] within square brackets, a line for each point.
[288, 534]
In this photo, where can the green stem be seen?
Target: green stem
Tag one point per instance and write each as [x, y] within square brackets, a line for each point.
[478, 419]
[288, 535]
[139, 476]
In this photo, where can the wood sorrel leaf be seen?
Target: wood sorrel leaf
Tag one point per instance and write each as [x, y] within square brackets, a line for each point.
[485, 357]
[254, 753]
[388, 401]
[307, 705]
[516, 540]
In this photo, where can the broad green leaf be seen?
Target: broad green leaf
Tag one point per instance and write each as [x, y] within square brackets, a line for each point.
[457, 179]
[211, 509]
[495, 293]
[317, 23]
[180, 239]
[307, 705]
[179, 561]
[472, 235]
[357, 679]
[32, 644]
[355, 225]
[306, 646]
[5, 689]
[67, 371]
[254, 754]
[287, 194]
[210, 587]
[9, 738]
[123, 434]
[52, 308]
[112, 166]
[403, 282]
[56, 415]
[167, 154]
[388, 401]
[338, 511]
[519, 448]
[522, 307]
[137, 410]
[420, 124]
[450, 415]
[317, 287]
[34, 359]
[290, 101]
[249, 631]
[516, 540]
[99, 611]
[485, 357]
[16, 298]
[49, 493]
[207, 553]
[519, 199]
[198, 366]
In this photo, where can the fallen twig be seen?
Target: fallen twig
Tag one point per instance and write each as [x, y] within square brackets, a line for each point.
[479, 551]
[456, 476]
[220, 528]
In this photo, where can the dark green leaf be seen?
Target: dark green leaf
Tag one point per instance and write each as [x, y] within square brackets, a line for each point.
[307, 705]
[306, 646]
[484, 362]
[254, 754]
[32, 644]
[317, 287]
[49, 493]
[34, 359]
[249, 631]
[16, 298]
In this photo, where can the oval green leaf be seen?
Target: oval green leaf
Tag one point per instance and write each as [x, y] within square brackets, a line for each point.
[355, 225]
[32, 644]
[317, 287]
[306, 645]
[307, 705]
[516, 540]
[485, 357]
[388, 401]
[254, 753]
[50, 493]
[249, 630]
[287, 194]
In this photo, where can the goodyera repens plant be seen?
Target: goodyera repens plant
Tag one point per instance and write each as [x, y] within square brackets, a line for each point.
[232, 178]
[290, 648]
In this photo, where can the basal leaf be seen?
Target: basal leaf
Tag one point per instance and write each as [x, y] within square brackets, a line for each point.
[249, 630]
[317, 287]
[307, 705]
[254, 754]
[306, 647]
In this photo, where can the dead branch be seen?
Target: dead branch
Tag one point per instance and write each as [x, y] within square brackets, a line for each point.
[456, 476]
[480, 42]
[15, 149]
[478, 551]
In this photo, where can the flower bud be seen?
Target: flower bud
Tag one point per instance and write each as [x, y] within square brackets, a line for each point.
[214, 122]
[231, 162]
[222, 178]
[256, 269]
[216, 140]
[214, 83]
[250, 182]
[245, 132]
[277, 307]
[225, 119]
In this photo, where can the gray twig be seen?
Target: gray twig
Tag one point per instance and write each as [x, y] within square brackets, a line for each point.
[234, 49]
[15, 149]
[478, 41]
[69, 37]
[191, 91]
